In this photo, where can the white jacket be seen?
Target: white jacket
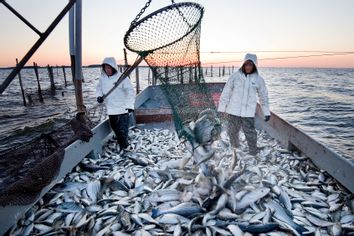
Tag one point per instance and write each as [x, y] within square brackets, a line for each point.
[122, 98]
[239, 96]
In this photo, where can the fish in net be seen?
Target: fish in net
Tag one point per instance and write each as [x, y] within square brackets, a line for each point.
[169, 41]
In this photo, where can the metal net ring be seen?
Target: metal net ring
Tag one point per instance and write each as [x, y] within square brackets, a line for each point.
[164, 27]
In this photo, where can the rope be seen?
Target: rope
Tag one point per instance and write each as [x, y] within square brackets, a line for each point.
[283, 58]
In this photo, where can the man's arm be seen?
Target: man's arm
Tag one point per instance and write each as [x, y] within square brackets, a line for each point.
[130, 92]
[226, 94]
[263, 97]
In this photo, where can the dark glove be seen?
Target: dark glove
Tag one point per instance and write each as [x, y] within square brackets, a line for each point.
[130, 110]
[100, 99]
[267, 118]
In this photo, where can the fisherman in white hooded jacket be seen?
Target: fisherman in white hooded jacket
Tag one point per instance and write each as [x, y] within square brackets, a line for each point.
[239, 100]
[119, 103]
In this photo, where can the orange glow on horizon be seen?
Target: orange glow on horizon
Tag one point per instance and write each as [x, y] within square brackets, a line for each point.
[63, 58]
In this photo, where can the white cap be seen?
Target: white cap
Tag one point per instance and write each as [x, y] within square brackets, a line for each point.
[251, 57]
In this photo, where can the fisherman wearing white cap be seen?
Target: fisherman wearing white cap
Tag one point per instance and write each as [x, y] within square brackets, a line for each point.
[239, 101]
[119, 103]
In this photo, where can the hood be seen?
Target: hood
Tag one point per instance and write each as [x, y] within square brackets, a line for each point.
[111, 61]
[251, 57]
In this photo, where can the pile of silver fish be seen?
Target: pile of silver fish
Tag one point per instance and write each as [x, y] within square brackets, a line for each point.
[156, 188]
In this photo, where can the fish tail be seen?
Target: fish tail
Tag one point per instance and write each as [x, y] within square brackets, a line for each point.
[155, 213]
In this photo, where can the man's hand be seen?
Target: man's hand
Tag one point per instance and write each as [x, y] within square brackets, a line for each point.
[100, 99]
[267, 118]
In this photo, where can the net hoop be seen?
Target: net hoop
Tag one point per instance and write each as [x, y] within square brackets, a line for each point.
[134, 29]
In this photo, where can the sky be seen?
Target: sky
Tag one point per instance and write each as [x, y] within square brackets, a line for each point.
[227, 26]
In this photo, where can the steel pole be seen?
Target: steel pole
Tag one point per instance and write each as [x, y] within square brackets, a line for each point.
[78, 57]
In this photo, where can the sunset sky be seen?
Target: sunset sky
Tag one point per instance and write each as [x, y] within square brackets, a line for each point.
[228, 26]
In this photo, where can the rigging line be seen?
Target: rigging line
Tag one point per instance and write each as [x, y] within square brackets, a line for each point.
[283, 58]
[276, 51]
[266, 51]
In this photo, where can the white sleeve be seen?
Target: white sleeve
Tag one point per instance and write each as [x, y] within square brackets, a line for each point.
[226, 94]
[130, 93]
[263, 97]
[99, 92]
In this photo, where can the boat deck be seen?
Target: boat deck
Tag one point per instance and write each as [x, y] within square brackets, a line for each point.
[153, 112]
[116, 187]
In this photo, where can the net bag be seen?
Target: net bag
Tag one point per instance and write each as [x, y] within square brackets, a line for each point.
[169, 41]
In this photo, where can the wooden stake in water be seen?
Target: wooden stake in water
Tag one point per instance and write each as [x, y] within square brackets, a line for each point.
[35, 66]
[190, 75]
[51, 77]
[137, 80]
[181, 71]
[64, 74]
[211, 71]
[149, 76]
[22, 91]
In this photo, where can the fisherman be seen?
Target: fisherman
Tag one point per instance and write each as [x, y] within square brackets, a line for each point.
[239, 100]
[119, 103]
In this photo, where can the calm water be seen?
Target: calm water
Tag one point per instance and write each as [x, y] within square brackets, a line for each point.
[318, 101]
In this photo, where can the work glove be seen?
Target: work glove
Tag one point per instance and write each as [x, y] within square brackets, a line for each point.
[130, 110]
[100, 99]
[267, 118]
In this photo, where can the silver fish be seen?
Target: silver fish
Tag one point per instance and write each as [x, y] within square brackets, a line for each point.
[250, 198]
[183, 209]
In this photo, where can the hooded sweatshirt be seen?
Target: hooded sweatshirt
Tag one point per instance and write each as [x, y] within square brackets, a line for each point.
[239, 96]
[122, 98]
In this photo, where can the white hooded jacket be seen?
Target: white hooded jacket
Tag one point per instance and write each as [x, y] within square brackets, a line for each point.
[122, 98]
[239, 96]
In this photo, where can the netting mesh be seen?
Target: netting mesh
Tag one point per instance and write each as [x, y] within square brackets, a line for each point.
[171, 37]
[27, 169]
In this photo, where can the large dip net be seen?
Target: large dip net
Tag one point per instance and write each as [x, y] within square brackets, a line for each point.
[169, 41]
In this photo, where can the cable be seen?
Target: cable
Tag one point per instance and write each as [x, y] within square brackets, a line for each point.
[283, 58]
[276, 51]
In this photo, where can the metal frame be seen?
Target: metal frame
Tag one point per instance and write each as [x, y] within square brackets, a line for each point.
[42, 37]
